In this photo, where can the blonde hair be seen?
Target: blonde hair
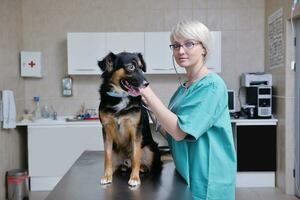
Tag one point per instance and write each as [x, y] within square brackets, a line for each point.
[193, 30]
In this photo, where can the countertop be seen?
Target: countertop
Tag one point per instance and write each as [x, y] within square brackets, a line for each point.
[62, 121]
[245, 121]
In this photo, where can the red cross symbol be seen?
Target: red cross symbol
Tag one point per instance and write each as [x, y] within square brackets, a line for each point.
[31, 64]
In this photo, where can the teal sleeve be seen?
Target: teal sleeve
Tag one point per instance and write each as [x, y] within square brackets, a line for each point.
[201, 108]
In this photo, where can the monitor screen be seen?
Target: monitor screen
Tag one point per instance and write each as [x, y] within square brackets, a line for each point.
[231, 101]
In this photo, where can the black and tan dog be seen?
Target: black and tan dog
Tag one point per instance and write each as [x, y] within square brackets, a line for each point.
[126, 132]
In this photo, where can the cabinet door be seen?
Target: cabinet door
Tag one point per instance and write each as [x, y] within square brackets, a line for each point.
[53, 150]
[158, 55]
[84, 51]
[121, 41]
[214, 61]
[256, 148]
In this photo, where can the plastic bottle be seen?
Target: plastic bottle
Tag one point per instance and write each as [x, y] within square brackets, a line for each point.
[45, 111]
[37, 109]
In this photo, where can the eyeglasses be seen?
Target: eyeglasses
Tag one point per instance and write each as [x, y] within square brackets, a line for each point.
[186, 45]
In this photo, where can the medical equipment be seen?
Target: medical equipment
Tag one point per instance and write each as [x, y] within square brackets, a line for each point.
[258, 94]
[179, 78]
[231, 101]
[256, 79]
[261, 98]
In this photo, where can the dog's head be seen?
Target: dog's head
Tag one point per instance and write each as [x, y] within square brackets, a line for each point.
[124, 72]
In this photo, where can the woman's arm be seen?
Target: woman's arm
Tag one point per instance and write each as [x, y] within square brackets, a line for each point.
[167, 119]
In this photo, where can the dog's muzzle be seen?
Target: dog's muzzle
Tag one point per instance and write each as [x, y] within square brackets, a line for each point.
[132, 87]
[145, 83]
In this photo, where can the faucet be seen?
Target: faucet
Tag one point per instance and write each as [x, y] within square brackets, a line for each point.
[54, 115]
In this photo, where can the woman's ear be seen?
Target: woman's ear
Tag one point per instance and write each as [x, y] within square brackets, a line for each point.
[204, 53]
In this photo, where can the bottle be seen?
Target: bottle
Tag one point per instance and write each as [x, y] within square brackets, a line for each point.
[37, 109]
[45, 111]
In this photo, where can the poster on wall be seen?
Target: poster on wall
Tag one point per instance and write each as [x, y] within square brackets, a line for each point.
[275, 38]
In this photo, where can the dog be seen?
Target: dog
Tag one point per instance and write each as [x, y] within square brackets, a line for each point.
[128, 143]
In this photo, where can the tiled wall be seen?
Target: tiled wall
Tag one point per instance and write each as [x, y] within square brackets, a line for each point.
[12, 146]
[45, 26]
[284, 96]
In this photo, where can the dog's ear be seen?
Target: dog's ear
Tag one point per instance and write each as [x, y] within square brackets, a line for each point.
[107, 63]
[142, 61]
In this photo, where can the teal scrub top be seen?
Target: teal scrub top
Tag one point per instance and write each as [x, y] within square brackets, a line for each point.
[206, 158]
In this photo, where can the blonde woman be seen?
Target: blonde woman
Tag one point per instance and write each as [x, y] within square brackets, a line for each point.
[197, 122]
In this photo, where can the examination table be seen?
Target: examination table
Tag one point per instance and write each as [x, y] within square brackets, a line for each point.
[82, 182]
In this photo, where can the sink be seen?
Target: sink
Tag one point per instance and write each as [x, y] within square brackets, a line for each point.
[61, 120]
[49, 120]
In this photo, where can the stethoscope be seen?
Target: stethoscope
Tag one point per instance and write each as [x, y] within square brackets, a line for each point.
[180, 81]
[171, 106]
[155, 121]
[177, 74]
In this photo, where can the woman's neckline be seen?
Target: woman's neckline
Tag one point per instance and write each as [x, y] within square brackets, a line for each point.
[196, 80]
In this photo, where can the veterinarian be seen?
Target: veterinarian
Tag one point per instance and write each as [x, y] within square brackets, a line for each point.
[197, 120]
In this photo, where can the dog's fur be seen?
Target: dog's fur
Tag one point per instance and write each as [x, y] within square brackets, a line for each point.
[126, 131]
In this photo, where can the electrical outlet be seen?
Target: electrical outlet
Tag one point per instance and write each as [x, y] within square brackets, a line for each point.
[67, 86]
[293, 65]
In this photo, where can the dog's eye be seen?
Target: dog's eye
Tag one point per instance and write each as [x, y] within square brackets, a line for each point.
[130, 68]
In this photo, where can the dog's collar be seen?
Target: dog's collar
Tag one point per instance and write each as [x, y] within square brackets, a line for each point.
[117, 94]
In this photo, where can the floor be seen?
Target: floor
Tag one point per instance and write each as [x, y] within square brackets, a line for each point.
[241, 194]
[262, 194]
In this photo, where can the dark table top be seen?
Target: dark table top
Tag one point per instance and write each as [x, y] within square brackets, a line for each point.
[82, 182]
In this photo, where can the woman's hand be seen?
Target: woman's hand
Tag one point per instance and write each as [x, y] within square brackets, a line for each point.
[143, 92]
[167, 119]
[144, 101]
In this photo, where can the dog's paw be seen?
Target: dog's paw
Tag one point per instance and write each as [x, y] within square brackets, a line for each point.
[134, 181]
[106, 180]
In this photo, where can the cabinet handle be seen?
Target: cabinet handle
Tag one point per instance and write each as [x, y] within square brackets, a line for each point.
[163, 69]
[82, 70]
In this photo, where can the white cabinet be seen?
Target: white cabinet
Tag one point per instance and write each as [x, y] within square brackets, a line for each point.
[158, 55]
[214, 61]
[84, 50]
[53, 149]
[124, 41]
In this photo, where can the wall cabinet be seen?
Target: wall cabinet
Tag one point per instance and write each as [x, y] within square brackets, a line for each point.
[85, 49]
[158, 55]
[121, 41]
